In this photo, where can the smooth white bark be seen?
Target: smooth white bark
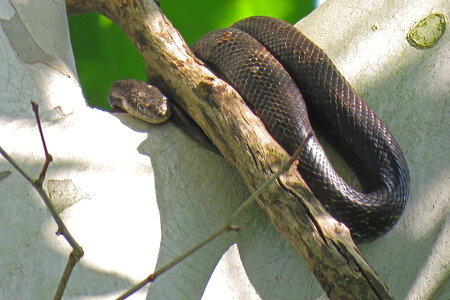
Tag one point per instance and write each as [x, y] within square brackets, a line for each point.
[137, 185]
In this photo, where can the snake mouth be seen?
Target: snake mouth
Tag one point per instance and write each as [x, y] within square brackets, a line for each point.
[158, 116]
[151, 113]
[117, 109]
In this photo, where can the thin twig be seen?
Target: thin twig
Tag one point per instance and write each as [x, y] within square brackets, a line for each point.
[177, 260]
[283, 169]
[77, 251]
[48, 157]
[225, 228]
[71, 262]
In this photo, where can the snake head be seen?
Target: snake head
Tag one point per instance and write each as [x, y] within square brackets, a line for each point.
[139, 99]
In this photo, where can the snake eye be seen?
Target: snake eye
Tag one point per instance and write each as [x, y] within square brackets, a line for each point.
[140, 108]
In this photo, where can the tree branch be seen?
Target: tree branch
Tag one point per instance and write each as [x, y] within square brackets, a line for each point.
[77, 251]
[324, 243]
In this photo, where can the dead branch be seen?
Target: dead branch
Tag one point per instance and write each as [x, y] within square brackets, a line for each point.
[77, 251]
[324, 243]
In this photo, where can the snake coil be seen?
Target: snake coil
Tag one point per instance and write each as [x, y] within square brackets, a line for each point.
[287, 80]
[284, 77]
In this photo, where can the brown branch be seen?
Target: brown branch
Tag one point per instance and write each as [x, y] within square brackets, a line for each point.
[325, 244]
[74, 257]
[152, 277]
[48, 157]
[77, 251]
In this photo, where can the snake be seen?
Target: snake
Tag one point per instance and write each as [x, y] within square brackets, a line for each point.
[292, 86]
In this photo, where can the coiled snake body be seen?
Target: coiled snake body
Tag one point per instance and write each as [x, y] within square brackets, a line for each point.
[284, 78]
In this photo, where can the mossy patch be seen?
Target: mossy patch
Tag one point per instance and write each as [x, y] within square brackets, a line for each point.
[427, 32]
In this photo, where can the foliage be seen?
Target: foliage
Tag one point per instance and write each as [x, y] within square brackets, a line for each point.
[104, 54]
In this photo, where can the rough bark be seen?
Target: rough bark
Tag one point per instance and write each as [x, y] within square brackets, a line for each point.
[324, 243]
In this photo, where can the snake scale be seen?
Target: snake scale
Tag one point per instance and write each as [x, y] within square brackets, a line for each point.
[287, 80]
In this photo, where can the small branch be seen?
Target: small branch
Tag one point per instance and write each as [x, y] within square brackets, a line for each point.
[225, 228]
[74, 257]
[176, 260]
[77, 251]
[16, 166]
[277, 174]
[48, 157]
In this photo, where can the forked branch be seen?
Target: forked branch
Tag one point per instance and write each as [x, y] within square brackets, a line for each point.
[77, 251]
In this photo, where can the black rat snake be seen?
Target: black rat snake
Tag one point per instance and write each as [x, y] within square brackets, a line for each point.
[274, 67]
